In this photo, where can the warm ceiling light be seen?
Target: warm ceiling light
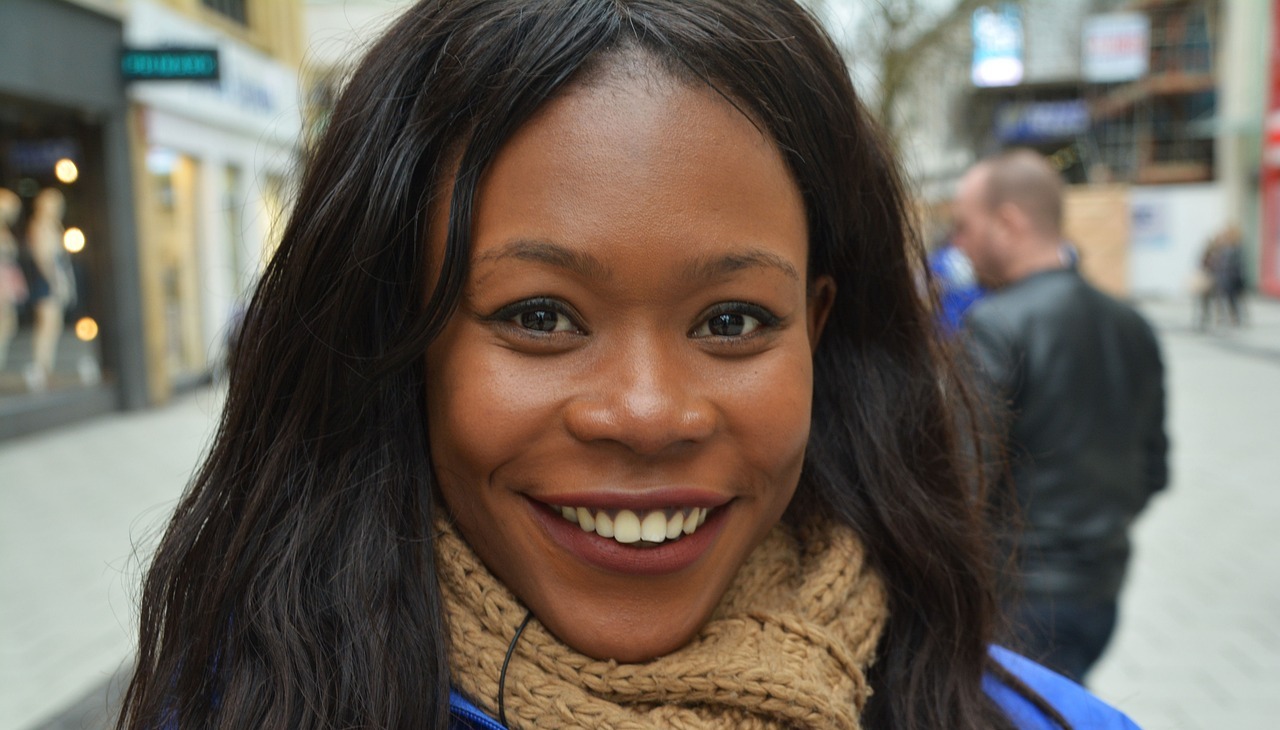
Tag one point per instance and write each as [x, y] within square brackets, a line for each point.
[73, 240]
[86, 329]
[66, 170]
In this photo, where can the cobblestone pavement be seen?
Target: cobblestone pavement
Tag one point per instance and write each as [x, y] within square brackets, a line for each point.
[1198, 645]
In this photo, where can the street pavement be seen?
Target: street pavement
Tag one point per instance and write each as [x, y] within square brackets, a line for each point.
[80, 508]
[1198, 645]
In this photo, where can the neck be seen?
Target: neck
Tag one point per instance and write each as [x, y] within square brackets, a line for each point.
[1042, 256]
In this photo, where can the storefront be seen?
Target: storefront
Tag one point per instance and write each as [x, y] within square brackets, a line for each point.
[70, 330]
[210, 164]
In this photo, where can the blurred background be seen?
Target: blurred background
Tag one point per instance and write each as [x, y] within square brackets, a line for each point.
[149, 150]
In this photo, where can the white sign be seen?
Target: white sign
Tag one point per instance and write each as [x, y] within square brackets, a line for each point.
[997, 46]
[1115, 47]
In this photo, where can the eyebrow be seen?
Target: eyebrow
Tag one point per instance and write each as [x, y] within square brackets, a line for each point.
[587, 266]
[718, 267]
[553, 254]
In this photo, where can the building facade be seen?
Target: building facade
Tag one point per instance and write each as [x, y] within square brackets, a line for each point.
[212, 167]
[1152, 109]
[134, 215]
[70, 326]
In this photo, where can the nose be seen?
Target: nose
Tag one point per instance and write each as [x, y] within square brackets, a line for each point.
[646, 398]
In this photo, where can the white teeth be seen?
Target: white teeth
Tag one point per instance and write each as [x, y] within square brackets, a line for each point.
[604, 525]
[654, 527]
[675, 524]
[628, 527]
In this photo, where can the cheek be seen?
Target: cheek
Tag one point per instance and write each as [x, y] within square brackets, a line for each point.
[769, 417]
[478, 411]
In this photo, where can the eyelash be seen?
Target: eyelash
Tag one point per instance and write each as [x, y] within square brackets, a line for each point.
[508, 314]
[766, 320]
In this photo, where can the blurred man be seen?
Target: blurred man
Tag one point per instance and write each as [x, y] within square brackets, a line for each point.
[1081, 377]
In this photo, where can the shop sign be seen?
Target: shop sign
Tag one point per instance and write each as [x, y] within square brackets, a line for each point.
[170, 64]
[997, 46]
[253, 94]
[1116, 47]
[1041, 120]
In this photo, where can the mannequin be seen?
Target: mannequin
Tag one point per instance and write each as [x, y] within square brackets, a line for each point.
[13, 287]
[55, 291]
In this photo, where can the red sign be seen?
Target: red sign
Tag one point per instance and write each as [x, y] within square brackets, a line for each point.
[1269, 270]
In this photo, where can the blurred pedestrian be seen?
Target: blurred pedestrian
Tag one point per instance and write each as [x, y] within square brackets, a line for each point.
[1081, 376]
[1228, 273]
[1203, 285]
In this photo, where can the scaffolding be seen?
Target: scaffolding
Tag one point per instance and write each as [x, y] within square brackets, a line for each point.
[1160, 128]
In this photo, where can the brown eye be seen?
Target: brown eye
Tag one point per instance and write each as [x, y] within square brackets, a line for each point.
[730, 325]
[537, 317]
[544, 320]
[735, 319]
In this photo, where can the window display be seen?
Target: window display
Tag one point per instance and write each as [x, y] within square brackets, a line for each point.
[48, 330]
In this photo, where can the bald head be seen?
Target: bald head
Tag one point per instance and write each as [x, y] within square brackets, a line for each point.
[1026, 180]
[1008, 216]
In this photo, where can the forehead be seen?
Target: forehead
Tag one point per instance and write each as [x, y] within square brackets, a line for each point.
[972, 189]
[640, 159]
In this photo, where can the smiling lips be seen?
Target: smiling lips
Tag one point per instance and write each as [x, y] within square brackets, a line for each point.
[638, 528]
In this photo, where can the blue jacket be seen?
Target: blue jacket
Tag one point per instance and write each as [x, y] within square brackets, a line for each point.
[1081, 709]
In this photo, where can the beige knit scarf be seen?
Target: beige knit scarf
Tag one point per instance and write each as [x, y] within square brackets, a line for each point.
[786, 647]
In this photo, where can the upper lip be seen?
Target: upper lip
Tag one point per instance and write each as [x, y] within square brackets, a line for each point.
[649, 499]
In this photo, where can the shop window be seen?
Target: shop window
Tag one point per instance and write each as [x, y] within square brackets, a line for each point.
[233, 9]
[52, 231]
[175, 220]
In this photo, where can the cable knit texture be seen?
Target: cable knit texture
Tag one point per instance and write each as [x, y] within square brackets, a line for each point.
[785, 648]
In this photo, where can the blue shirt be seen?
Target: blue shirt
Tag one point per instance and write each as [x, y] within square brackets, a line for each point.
[958, 287]
[1081, 709]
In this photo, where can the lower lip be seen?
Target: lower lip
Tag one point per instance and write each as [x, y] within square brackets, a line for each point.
[611, 555]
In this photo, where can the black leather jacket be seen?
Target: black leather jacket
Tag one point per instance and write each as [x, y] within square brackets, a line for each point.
[1082, 376]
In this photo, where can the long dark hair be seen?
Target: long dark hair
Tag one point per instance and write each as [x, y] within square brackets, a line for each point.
[295, 588]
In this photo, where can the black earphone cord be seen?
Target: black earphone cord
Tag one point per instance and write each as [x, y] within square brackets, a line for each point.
[502, 676]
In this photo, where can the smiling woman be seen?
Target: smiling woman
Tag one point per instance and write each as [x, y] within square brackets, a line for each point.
[649, 355]
[590, 387]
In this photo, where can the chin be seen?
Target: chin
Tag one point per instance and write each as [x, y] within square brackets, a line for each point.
[628, 646]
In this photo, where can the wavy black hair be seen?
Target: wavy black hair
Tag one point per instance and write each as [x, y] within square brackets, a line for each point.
[295, 588]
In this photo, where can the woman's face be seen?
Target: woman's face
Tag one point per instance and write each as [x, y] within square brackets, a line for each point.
[619, 409]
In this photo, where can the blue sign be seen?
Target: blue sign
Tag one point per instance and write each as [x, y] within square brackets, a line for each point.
[1040, 121]
[170, 64]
